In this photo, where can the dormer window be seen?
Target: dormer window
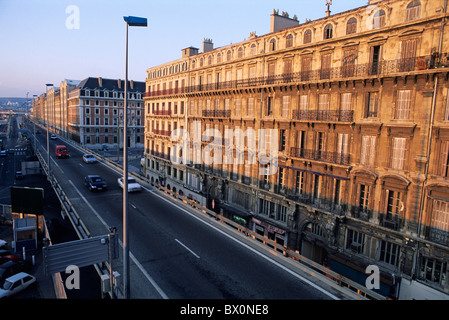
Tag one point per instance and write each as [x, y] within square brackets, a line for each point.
[413, 11]
[328, 31]
[307, 36]
[351, 26]
[272, 44]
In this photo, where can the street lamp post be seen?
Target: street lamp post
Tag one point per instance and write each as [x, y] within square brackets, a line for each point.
[133, 22]
[48, 140]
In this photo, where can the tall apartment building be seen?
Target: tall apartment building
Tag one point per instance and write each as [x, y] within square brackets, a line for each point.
[359, 104]
[90, 111]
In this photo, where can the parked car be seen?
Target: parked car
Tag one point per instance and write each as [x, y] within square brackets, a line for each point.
[19, 175]
[3, 243]
[16, 283]
[2, 153]
[133, 186]
[89, 158]
[95, 183]
[53, 137]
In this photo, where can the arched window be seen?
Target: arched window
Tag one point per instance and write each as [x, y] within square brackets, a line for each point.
[272, 44]
[351, 26]
[240, 52]
[219, 58]
[253, 49]
[228, 55]
[413, 10]
[209, 60]
[193, 64]
[307, 36]
[379, 19]
[201, 62]
[289, 41]
[328, 31]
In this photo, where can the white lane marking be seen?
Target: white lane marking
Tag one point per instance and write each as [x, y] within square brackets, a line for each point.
[187, 248]
[252, 249]
[133, 258]
[132, 205]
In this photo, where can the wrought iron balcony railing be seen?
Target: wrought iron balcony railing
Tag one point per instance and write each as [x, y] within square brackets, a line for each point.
[345, 72]
[325, 156]
[327, 115]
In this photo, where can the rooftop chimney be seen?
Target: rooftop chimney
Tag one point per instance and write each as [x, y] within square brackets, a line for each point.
[207, 45]
[279, 22]
[188, 52]
[100, 82]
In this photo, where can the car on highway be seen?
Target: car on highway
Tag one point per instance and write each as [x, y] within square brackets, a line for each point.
[95, 183]
[89, 158]
[62, 151]
[16, 283]
[19, 175]
[133, 186]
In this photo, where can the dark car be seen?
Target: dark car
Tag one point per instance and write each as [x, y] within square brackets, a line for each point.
[19, 175]
[95, 183]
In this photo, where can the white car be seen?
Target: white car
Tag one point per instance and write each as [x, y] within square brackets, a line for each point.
[89, 158]
[16, 283]
[132, 184]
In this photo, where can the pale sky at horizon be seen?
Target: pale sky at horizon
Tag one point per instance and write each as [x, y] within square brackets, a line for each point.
[36, 46]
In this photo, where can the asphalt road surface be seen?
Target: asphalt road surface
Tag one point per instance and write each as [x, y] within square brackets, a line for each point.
[175, 252]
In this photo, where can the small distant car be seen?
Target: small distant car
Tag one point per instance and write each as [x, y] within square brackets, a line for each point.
[3, 243]
[16, 283]
[133, 186]
[19, 175]
[2, 153]
[95, 183]
[89, 158]
[53, 137]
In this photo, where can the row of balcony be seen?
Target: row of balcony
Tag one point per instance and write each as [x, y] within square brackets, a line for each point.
[305, 115]
[324, 115]
[348, 71]
[318, 155]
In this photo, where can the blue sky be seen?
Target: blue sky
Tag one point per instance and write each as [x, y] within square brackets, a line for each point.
[37, 47]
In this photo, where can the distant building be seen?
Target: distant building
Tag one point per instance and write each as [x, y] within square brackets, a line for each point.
[90, 111]
[359, 104]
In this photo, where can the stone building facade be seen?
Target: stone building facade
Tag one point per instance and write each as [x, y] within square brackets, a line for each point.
[90, 111]
[355, 107]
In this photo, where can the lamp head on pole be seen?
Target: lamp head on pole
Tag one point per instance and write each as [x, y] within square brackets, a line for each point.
[136, 21]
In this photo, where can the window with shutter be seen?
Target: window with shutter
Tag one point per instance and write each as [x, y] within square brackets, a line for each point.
[403, 103]
[398, 153]
[325, 66]
[408, 55]
[306, 67]
[346, 101]
[444, 159]
[285, 106]
[304, 102]
[323, 102]
[413, 11]
[368, 147]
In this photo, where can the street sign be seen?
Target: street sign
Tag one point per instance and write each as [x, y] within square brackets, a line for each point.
[80, 253]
